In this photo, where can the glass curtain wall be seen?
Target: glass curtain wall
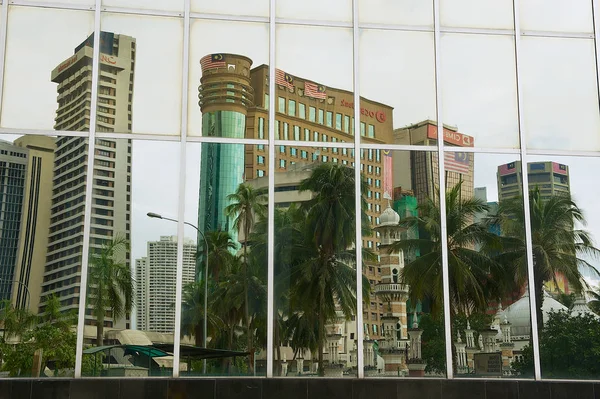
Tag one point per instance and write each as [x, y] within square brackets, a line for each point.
[286, 188]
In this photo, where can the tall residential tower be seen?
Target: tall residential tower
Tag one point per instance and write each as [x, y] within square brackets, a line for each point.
[111, 191]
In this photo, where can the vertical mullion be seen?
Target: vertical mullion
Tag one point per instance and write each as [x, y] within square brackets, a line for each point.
[442, 193]
[3, 38]
[88, 192]
[271, 194]
[357, 195]
[525, 189]
[182, 181]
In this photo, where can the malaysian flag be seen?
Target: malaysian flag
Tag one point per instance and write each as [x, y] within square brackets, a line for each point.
[315, 91]
[283, 79]
[212, 61]
[457, 162]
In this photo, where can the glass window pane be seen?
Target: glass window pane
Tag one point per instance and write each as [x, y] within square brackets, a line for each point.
[226, 186]
[301, 111]
[332, 10]
[402, 320]
[132, 74]
[563, 183]
[398, 92]
[491, 324]
[301, 228]
[36, 278]
[402, 12]
[497, 14]
[560, 95]
[134, 253]
[556, 15]
[232, 7]
[53, 91]
[479, 91]
[281, 105]
[324, 87]
[244, 57]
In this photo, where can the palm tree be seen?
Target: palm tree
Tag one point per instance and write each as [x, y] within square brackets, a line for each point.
[559, 247]
[473, 273]
[220, 247]
[15, 321]
[287, 251]
[325, 278]
[111, 283]
[192, 312]
[247, 204]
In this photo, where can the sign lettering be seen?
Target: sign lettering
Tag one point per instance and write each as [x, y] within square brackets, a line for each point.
[379, 115]
[67, 63]
[451, 137]
[108, 59]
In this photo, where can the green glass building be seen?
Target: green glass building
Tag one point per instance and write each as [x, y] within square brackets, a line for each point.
[222, 170]
[225, 93]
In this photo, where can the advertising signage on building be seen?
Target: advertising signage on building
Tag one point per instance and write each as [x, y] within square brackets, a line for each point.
[451, 137]
[380, 116]
[507, 169]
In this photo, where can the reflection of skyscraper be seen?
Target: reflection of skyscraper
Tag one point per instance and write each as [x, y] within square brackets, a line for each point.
[112, 162]
[225, 95]
[155, 280]
[234, 102]
[550, 177]
[13, 164]
[33, 235]
[424, 177]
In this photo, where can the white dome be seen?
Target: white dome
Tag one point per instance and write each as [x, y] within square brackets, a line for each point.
[389, 217]
[518, 314]
[581, 308]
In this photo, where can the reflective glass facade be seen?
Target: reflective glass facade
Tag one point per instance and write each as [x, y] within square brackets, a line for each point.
[285, 188]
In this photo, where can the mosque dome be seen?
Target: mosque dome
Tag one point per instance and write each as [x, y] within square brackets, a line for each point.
[389, 217]
[518, 314]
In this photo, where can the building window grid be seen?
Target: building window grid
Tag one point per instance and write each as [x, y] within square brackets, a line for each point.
[523, 151]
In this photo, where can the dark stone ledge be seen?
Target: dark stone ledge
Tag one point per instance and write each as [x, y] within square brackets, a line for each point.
[293, 388]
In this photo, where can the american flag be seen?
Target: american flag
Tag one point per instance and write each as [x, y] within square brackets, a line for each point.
[283, 79]
[315, 91]
[457, 162]
[212, 61]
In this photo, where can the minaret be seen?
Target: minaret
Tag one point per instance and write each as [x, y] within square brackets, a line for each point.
[392, 293]
[461, 354]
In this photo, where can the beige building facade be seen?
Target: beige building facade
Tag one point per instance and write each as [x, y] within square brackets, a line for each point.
[111, 191]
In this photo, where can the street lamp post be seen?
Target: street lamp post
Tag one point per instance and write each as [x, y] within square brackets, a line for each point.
[158, 216]
[28, 297]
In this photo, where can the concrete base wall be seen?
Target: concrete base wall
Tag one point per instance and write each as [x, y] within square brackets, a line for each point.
[292, 388]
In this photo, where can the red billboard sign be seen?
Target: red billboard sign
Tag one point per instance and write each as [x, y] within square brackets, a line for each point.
[451, 137]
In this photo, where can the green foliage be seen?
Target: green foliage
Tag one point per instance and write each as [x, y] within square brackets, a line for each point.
[558, 246]
[52, 332]
[566, 299]
[433, 342]
[473, 273]
[433, 348]
[569, 348]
